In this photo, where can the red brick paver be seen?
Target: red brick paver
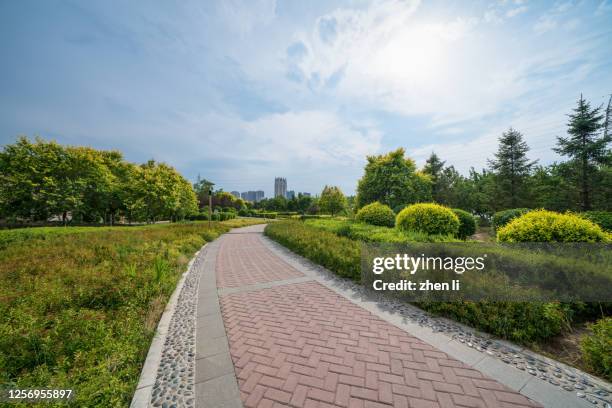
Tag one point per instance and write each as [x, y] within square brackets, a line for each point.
[303, 345]
[243, 260]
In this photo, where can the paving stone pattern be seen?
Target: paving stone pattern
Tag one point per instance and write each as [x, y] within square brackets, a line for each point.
[303, 345]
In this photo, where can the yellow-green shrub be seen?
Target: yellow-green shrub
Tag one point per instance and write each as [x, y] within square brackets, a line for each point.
[429, 218]
[376, 214]
[549, 226]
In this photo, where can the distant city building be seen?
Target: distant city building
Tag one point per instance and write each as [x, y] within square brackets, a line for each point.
[253, 196]
[236, 194]
[280, 187]
[305, 194]
[290, 195]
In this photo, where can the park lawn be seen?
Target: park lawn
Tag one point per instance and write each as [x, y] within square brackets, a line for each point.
[79, 305]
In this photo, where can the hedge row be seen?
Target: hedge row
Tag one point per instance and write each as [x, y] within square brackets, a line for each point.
[341, 255]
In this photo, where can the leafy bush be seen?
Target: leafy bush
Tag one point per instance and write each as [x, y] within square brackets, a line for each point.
[549, 226]
[523, 322]
[429, 218]
[376, 214]
[601, 218]
[467, 223]
[502, 218]
[597, 347]
[341, 255]
[372, 233]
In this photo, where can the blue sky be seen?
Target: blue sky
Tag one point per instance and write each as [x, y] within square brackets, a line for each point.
[243, 91]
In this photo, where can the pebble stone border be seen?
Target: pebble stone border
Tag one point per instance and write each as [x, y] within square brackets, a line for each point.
[174, 384]
[577, 383]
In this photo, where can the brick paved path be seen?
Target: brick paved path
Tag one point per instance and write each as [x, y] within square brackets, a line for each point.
[303, 345]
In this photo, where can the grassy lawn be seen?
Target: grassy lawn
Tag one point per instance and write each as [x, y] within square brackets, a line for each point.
[79, 305]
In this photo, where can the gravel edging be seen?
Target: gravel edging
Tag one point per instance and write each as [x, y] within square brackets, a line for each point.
[168, 372]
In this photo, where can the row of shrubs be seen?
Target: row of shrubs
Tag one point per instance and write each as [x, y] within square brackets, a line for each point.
[427, 218]
[515, 225]
[257, 214]
[217, 216]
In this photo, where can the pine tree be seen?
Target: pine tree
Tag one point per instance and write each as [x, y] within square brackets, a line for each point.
[511, 167]
[434, 167]
[584, 147]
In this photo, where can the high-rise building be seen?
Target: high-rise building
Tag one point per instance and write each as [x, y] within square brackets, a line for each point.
[253, 196]
[280, 187]
[236, 194]
[305, 194]
[290, 195]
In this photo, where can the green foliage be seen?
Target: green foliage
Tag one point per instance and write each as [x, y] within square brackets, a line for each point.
[511, 169]
[332, 200]
[549, 226]
[376, 214]
[79, 305]
[467, 223]
[601, 218]
[523, 322]
[585, 148]
[40, 180]
[372, 233]
[502, 218]
[341, 255]
[597, 348]
[428, 218]
[392, 179]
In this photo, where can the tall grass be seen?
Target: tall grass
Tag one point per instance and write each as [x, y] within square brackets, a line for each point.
[79, 306]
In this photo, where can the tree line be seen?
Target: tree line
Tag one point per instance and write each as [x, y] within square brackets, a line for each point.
[581, 183]
[40, 180]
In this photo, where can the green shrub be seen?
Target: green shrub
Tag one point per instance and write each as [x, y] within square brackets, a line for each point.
[502, 218]
[597, 347]
[341, 255]
[467, 223]
[601, 218]
[549, 226]
[376, 214]
[373, 233]
[429, 218]
[523, 322]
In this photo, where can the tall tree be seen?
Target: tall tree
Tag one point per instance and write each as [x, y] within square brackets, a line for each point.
[585, 146]
[511, 168]
[392, 180]
[332, 200]
[434, 168]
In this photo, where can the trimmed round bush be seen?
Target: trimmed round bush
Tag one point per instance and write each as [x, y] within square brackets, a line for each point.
[502, 218]
[430, 218]
[549, 226]
[597, 347]
[601, 218]
[467, 223]
[376, 214]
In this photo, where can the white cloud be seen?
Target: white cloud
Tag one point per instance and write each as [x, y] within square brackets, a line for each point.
[516, 11]
[393, 61]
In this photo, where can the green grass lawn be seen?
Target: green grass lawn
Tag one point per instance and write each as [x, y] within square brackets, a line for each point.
[79, 305]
